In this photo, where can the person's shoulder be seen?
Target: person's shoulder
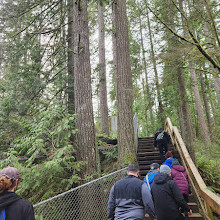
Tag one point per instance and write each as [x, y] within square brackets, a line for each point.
[157, 133]
[171, 182]
[23, 203]
[138, 181]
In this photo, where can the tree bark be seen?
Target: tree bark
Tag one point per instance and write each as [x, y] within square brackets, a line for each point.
[161, 110]
[114, 49]
[148, 101]
[181, 122]
[85, 136]
[102, 71]
[126, 142]
[187, 123]
[217, 88]
[206, 105]
[202, 122]
[70, 61]
[145, 106]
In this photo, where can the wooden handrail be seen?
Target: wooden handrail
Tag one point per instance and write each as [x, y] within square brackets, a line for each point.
[209, 197]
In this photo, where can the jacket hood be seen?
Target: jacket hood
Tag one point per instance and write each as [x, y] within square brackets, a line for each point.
[168, 162]
[161, 178]
[7, 199]
[179, 168]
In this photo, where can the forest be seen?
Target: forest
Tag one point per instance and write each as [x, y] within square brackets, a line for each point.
[68, 66]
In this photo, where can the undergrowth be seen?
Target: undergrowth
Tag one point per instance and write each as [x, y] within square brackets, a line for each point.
[208, 161]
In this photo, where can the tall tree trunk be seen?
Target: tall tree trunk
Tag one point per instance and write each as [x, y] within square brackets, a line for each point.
[212, 104]
[145, 106]
[148, 101]
[114, 48]
[161, 110]
[126, 142]
[202, 122]
[187, 123]
[70, 62]
[177, 62]
[206, 104]
[181, 122]
[85, 136]
[217, 88]
[102, 71]
[215, 79]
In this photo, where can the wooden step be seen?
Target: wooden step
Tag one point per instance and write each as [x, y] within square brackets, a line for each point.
[147, 149]
[140, 154]
[151, 157]
[148, 162]
[193, 206]
[196, 216]
[144, 138]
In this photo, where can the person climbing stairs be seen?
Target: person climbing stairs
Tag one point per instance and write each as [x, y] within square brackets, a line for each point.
[146, 155]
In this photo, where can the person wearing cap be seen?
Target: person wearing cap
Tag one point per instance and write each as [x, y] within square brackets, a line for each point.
[169, 158]
[154, 170]
[130, 198]
[161, 141]
[12, 206]
[167, 196]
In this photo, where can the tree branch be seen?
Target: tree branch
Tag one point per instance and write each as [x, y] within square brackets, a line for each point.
[195, 43]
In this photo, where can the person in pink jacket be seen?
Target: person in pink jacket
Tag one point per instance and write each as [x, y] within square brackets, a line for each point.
[180, 176]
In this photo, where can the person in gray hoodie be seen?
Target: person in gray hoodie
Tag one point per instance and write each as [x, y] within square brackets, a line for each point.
[12, 206]
[130, 198]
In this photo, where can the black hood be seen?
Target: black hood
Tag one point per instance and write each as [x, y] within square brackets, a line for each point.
[161, 178]
[7, 199]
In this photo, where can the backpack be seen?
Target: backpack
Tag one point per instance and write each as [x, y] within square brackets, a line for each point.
[160, 136]
[2, 215]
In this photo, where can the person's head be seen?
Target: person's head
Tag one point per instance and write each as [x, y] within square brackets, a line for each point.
[165, 169]
[9, 178]
[133, 169]
[168, 155]
[160, 129]
[175, 162]
[155, 166]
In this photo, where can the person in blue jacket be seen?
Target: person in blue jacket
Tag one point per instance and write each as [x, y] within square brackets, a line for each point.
[169, 159]
[154, 170]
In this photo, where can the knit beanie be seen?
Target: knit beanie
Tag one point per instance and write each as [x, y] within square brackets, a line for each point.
[168, 154]
[165, 169]
[175, 162]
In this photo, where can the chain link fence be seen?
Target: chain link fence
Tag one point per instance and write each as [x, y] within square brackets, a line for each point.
[86, 202]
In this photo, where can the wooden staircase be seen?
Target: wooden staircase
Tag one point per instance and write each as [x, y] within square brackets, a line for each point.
[146, 155]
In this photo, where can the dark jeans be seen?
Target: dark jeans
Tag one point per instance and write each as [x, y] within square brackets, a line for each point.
[181, 217]
[185, 212]
[187, 200]
[163, 148]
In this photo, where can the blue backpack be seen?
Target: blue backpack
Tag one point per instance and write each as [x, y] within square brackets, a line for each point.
[2, 215]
